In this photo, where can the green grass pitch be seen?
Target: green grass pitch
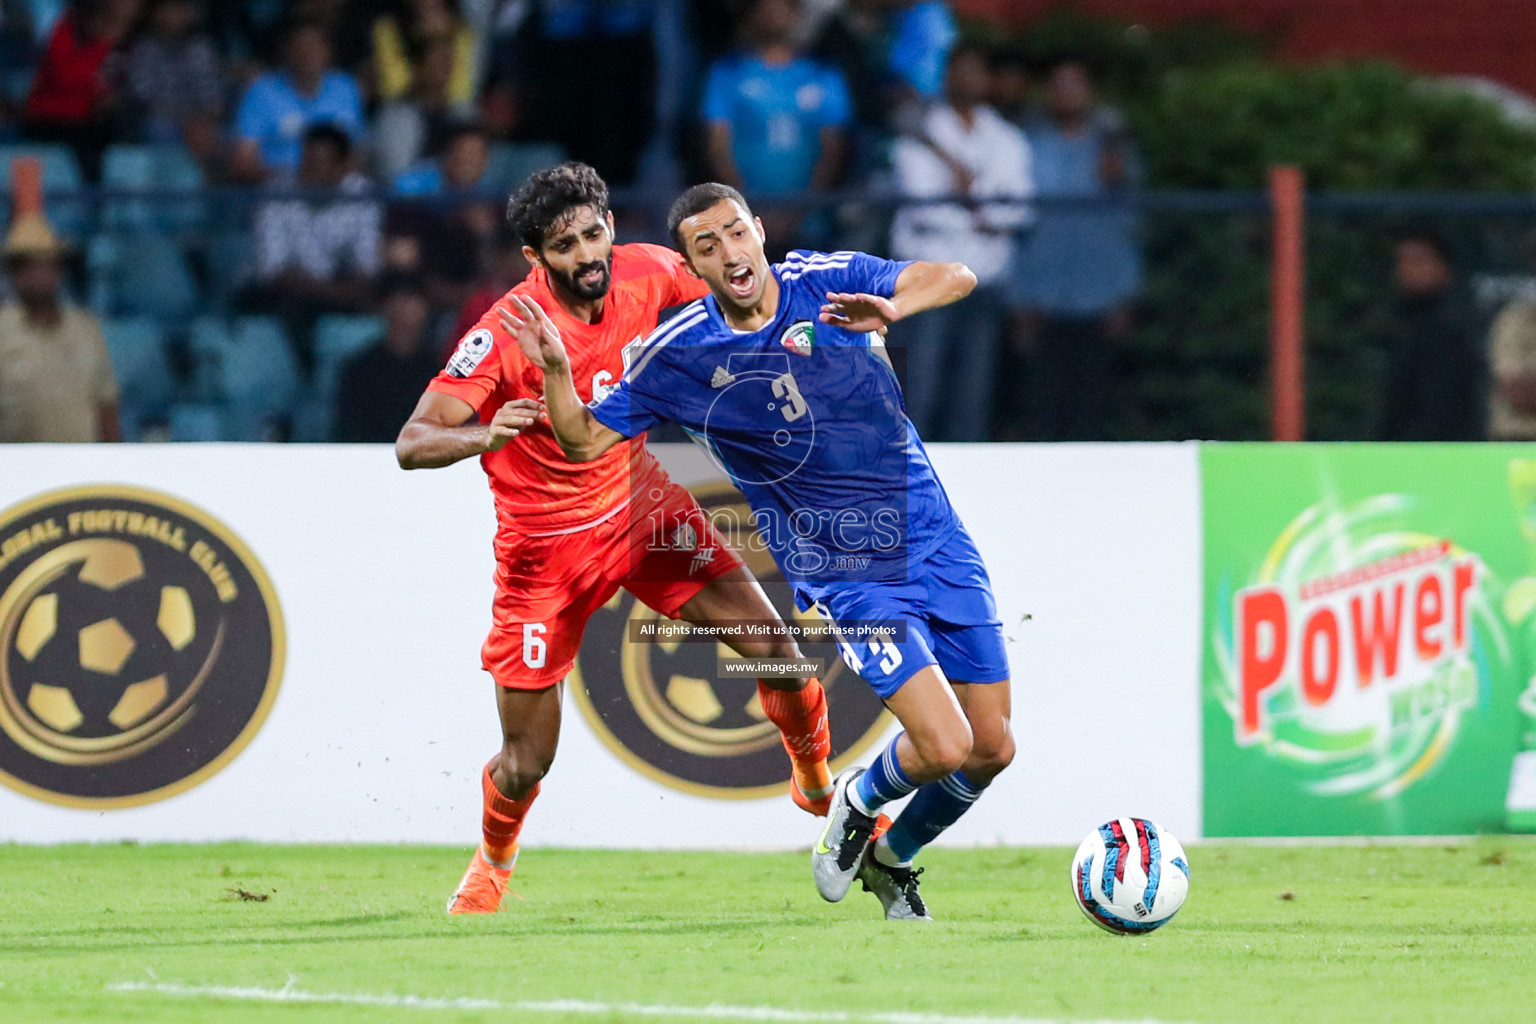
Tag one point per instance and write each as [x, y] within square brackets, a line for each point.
[1269, 934]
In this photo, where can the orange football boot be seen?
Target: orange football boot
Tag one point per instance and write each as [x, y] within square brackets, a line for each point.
[482, 887]
[822, 806]
[819, 806]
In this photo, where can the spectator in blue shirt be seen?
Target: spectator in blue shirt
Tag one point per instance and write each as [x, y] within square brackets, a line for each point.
[281, 105]
[925, 31]
[1077, 273]
[777, 119]
[459, 169]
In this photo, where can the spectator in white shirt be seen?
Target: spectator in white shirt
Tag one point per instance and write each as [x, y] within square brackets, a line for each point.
[175, 79]
[318, 252]
[966, 151]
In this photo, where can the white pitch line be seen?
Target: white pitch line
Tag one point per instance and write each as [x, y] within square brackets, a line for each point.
[714, 1011]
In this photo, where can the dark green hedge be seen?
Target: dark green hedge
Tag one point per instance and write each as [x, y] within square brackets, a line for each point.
[1208, 112]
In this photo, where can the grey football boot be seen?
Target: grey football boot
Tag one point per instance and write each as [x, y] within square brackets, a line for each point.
[896, 888]
[836, 856]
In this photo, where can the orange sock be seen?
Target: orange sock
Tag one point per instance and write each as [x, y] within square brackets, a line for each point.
[801, 716]
[503, 820]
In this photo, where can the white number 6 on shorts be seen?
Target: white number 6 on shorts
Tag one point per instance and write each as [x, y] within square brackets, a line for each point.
[534, 648]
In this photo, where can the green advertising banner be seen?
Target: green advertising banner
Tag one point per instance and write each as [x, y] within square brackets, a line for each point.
[1370, 620]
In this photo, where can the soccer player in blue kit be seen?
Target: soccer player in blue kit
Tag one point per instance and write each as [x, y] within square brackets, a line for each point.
[780, 374]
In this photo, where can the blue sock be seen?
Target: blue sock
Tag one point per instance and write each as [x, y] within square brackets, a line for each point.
[882, 782]
[936, 806]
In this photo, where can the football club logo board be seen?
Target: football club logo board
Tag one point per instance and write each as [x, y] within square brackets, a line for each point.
[366, 739]
[660, 709]
[1370, 639]
[141, 646]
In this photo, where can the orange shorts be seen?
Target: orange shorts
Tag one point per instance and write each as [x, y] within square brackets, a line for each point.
[547, 587]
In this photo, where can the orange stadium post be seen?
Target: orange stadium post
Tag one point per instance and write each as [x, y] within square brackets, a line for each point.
[26, 186]
[1287, 372]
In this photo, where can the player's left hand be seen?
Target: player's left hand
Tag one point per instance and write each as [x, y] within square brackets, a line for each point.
[510, 420]
[859, 312]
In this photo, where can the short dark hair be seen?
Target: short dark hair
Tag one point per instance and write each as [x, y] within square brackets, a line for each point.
[1431, 239]
[550, 196]
[972, 48]
[1065, 60]
[298, 25]
[399, 282]
[455, 130]
[695, 201]
[329, 134]
[1009, 58]
[466, 126]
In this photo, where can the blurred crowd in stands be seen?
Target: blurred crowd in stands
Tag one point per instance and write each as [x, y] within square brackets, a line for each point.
[281, 211]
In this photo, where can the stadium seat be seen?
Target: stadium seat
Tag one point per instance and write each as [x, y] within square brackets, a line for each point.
[60, 174]
[196, 422]
[228, 258]
[338, 336]
[259, 378]
[102, 254]
[141, 273]
[146, 383]
[211, 336]
[164, 171]
[337, 339]
[207, 341]
[15, 83]
[511, 162]
[60, 171]
[312, 419]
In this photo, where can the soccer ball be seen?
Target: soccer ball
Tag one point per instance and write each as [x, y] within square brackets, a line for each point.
[1130, 876]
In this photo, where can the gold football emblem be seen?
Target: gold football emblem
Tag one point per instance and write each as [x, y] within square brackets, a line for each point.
[660, 708]
[128, 618]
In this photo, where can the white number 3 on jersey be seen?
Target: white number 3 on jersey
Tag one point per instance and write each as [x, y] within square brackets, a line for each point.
[784, 387]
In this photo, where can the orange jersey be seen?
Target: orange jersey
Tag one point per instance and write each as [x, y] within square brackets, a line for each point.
[536, 489]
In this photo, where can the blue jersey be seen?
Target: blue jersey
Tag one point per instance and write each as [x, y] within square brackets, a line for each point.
[806, 418]
[274, 114]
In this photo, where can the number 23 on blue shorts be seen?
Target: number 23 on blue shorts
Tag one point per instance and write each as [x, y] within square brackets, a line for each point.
[972, 653]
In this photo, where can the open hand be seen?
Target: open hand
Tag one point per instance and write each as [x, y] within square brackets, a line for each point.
[534, 332]
[510, 420]
[859, 312]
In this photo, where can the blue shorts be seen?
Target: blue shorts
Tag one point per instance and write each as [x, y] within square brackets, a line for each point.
[948, 614]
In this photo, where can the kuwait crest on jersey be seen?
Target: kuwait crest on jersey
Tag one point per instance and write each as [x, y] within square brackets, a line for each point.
[800, 338]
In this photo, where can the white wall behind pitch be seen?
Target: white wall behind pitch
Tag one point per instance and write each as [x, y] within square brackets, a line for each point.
[384, 717]
[1100, 545]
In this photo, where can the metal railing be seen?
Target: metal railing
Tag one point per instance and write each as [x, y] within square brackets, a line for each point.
[1194, 362]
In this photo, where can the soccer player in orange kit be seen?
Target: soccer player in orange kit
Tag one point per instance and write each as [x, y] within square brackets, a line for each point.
[569, 536]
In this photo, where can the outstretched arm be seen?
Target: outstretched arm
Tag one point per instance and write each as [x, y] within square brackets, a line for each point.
[581, 436]
[918, 287]
[439, 432]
